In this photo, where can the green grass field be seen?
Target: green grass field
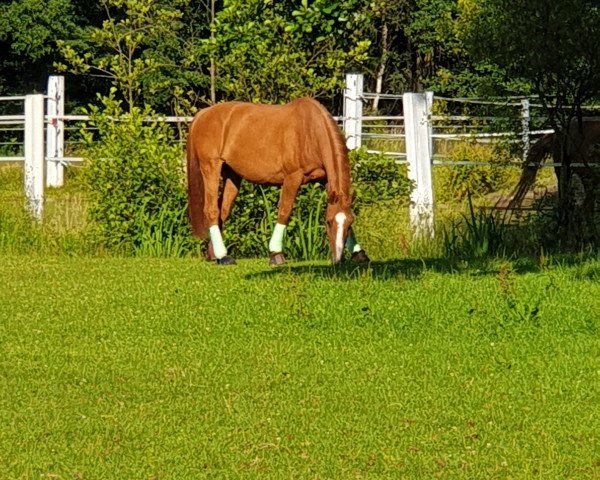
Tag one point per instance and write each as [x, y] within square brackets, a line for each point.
[116, 368]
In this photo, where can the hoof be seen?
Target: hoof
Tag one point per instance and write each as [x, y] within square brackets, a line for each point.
[226, 260]
[360, 257]
[276, 259]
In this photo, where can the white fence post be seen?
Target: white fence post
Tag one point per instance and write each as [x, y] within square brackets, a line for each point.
[34, 154]
[525, 127]
[419, 146]
[353, 110]
[55, 131]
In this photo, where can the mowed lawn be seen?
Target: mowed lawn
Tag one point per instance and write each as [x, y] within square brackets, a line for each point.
[178, 369]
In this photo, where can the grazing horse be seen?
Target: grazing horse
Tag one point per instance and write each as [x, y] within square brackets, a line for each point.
[288, 145]
[583, 149]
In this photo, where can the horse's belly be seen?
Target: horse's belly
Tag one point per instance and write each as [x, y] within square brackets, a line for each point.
[257, 169]
[269, 169]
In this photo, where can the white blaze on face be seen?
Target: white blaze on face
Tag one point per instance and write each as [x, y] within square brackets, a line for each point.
[340, 219]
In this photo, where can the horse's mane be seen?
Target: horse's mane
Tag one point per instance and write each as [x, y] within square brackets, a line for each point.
[539, 151]
[337, 166]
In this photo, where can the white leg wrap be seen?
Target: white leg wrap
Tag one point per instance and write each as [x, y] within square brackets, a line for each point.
[340, 218]
[217, 242]
[351, 243]
[276, 243]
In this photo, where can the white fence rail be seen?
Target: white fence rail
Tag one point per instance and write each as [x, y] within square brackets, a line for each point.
[416, 129]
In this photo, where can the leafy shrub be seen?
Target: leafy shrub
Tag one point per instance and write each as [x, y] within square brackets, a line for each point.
[138, 203]
[249, 228]
[135, 181]
[458, 181]
[377, 178]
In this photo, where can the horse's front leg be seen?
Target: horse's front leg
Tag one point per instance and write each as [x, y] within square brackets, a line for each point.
[357, 253]
[289, 190]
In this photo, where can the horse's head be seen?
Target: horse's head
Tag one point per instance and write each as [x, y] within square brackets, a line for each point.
[338, 221]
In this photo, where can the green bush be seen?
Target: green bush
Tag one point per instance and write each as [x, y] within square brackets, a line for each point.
[135, 181]
[248, 230]
[478, 235]
[377, 178]
[456, 182]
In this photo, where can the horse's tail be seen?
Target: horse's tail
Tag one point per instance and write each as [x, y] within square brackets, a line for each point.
[539, 151]
[195, 190]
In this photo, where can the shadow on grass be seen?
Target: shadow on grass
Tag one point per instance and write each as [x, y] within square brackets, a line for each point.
[409, 269]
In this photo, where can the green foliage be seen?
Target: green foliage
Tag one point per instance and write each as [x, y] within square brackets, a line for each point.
[456, 182]
[249, 228]
[377, 179]
[563, 67]
[32, 25]
[28, 32]
[135, 180]
[307, 238]
[275, 51]
[137, 48]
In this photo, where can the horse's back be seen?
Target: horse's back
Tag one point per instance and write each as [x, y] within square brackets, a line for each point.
[262, 143]
[246, 114]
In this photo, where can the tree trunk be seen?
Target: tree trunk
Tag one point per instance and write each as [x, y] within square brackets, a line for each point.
[565, 198]
[213, 67]
[381, 69]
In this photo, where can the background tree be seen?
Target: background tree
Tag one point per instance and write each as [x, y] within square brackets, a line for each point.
[551, 45]
[416, 45]
[276, 50]
[28, 33]
[140, 48]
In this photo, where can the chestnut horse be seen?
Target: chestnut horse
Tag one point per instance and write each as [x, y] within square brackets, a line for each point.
[287, 145]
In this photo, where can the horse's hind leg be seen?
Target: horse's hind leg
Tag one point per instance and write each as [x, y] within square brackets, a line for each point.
[289, 190]
[231, 187]
[212, 175]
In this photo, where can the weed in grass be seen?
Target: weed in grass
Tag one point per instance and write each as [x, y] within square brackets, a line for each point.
[522, 313]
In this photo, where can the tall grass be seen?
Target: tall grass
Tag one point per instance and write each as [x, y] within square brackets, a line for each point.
[19, 233]
[479, 234]
[383, 228]
[160, 234]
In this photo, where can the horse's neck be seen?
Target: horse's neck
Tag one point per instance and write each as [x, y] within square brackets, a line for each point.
[337, 167]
